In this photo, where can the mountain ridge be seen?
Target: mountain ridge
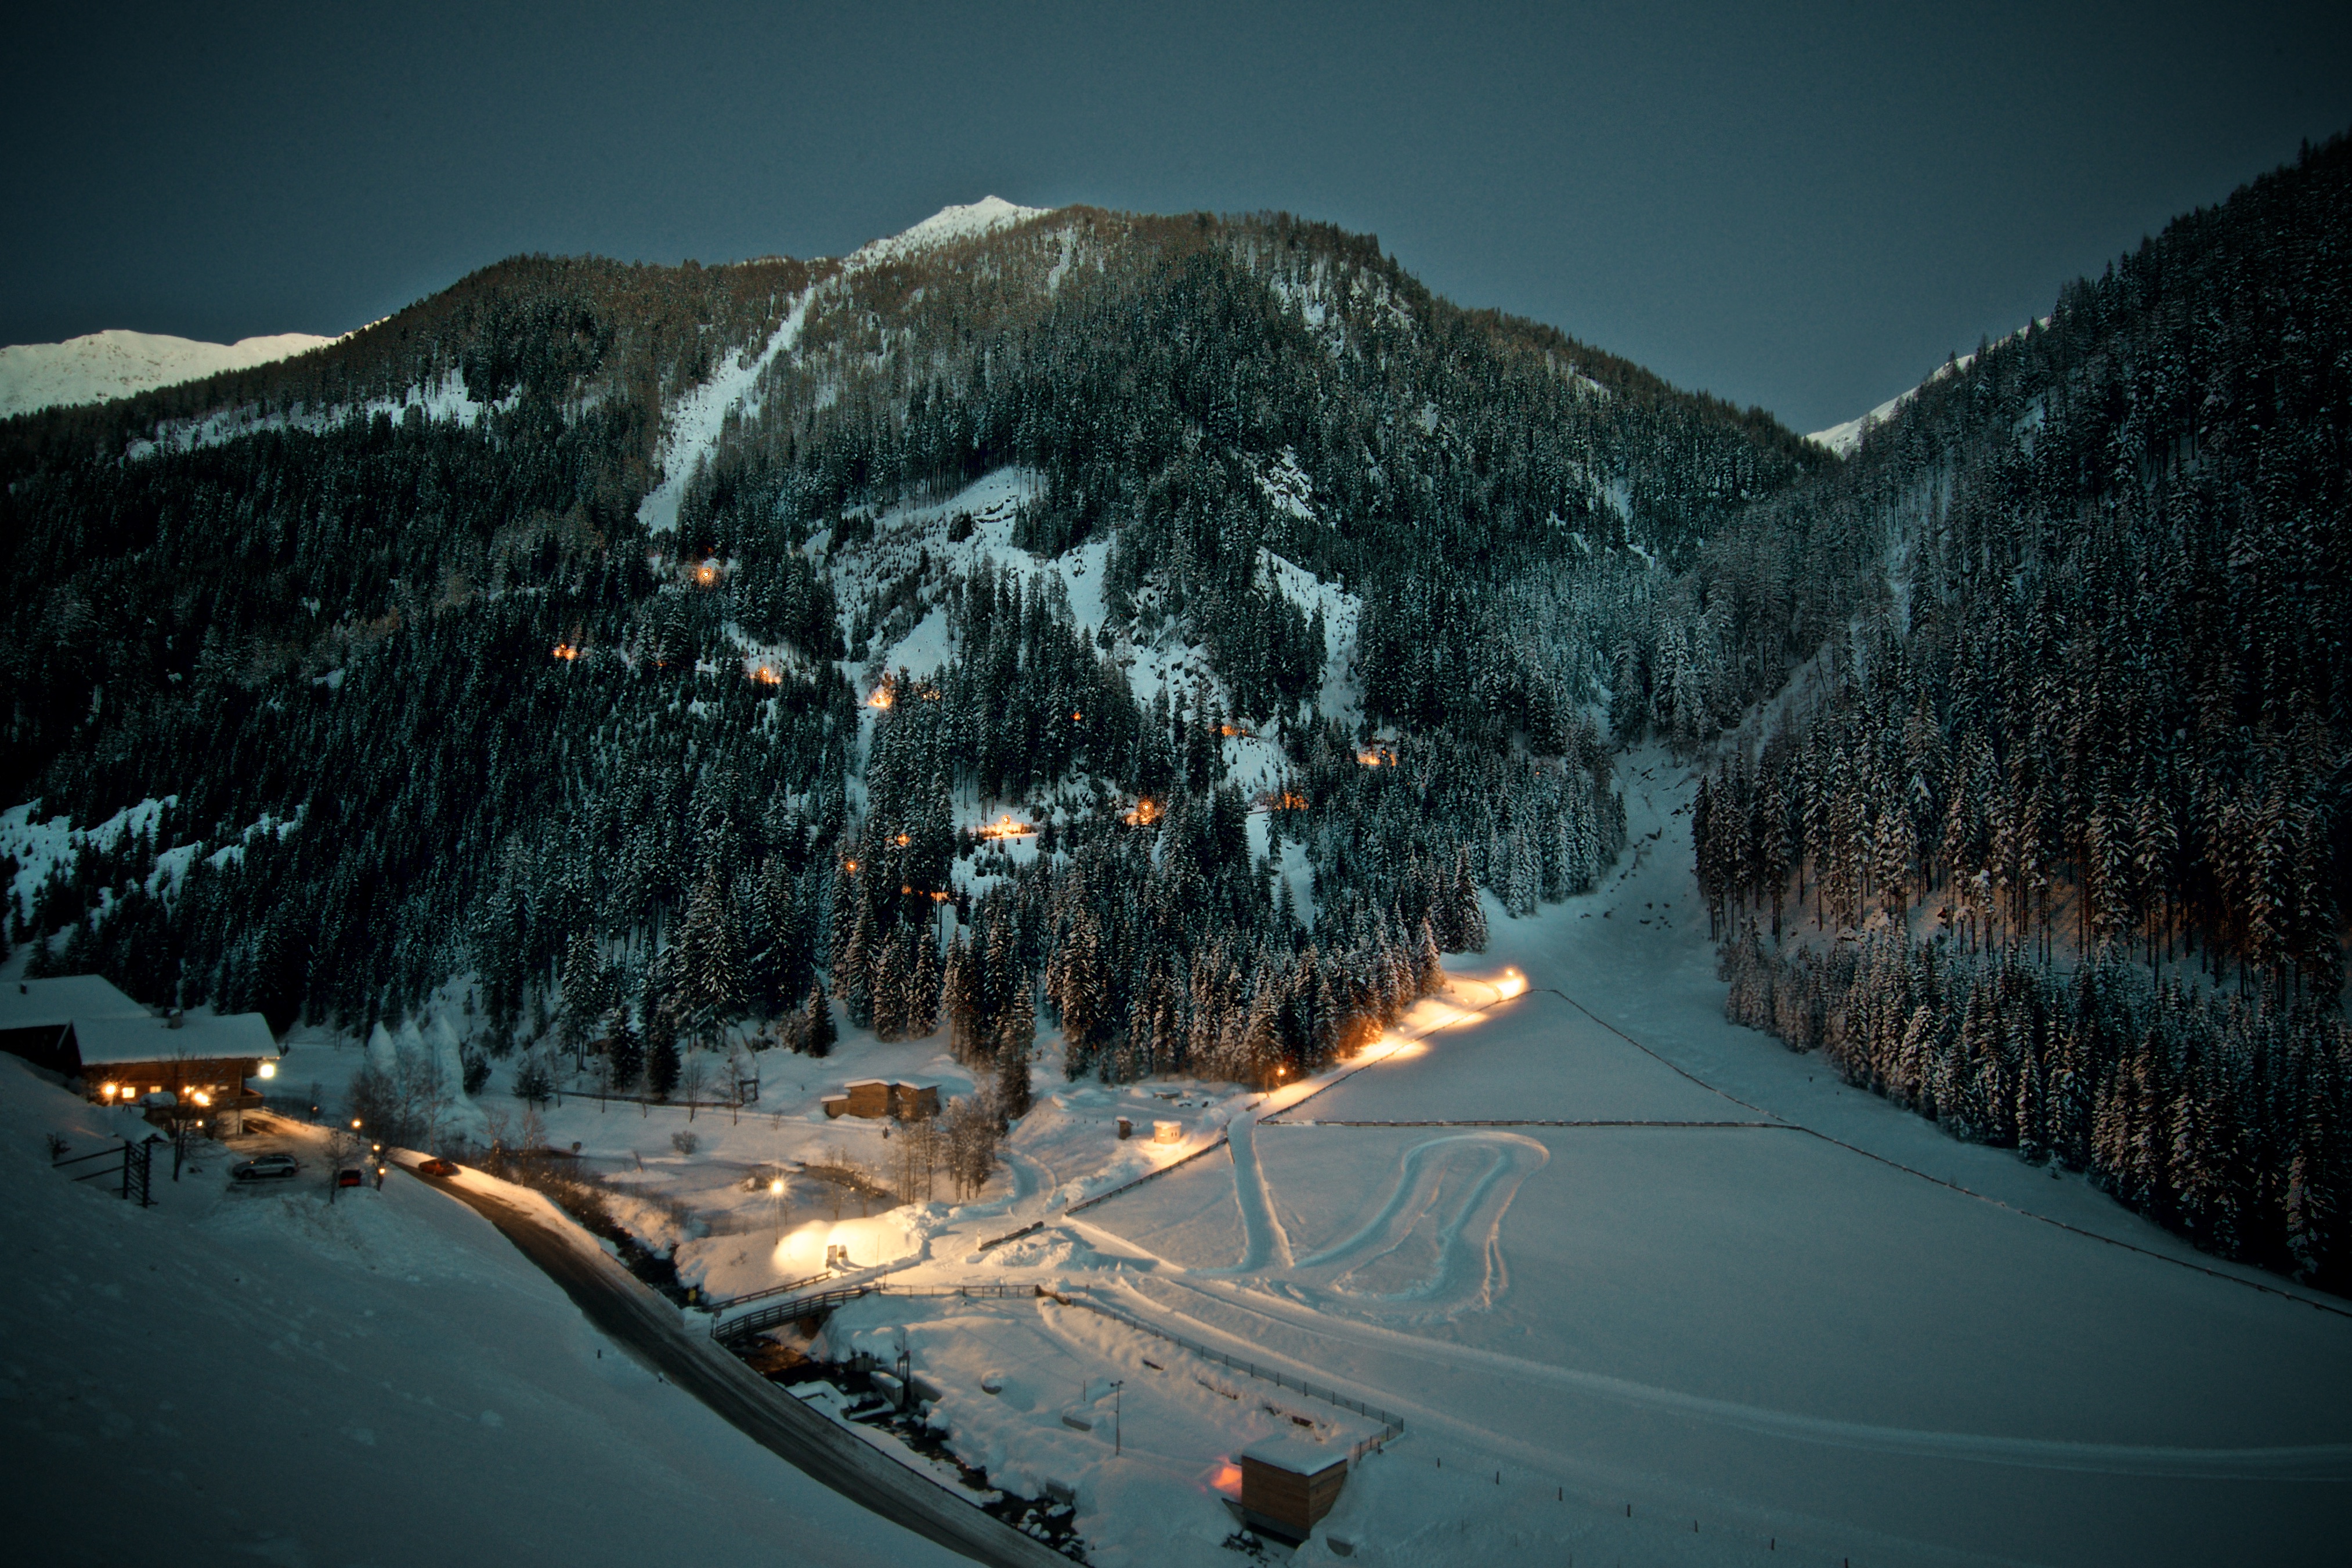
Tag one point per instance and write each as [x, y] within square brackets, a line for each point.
[115, 364]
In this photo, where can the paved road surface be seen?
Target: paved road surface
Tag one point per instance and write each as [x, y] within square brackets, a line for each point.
[618, 1303]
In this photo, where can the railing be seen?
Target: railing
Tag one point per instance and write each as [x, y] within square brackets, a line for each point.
[136, 1161]
[1105, 1197]
[1391, 1424]
[724, 1302]
[825, 1300]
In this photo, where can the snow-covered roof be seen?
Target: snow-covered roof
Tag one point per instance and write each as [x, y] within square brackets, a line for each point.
[111, 1027]
[146, 1039]
[1298, 1455]
[67, 999]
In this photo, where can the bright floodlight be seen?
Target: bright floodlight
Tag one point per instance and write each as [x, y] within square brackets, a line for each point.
[776, 1185]
[270, 1070]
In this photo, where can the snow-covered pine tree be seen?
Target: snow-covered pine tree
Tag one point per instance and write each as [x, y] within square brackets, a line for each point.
[662, 1062]
[817, 1031]
[622, 1049]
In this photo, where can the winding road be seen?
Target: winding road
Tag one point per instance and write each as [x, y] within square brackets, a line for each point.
[648, 1327]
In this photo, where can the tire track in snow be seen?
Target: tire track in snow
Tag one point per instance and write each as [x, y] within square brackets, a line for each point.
[2319, 1461]
[1390, 1229]
[1265, 1242]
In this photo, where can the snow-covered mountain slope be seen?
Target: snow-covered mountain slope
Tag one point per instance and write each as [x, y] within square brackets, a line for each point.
[1845, 438]
[946, 226]
[236, 1375]
[111, 365]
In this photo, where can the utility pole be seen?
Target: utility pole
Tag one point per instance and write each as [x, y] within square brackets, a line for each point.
[1117, 1398]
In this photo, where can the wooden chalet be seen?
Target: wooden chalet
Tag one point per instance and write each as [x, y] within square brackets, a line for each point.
[118, 1052]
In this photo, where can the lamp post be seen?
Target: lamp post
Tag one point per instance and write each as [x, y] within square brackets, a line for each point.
[1118, 1397]
[776, 1191]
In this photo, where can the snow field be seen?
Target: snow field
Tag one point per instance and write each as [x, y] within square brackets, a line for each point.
[1180, 1420]
[1534, 1057]
[236, 1375]
[101, 366]
[949, 226]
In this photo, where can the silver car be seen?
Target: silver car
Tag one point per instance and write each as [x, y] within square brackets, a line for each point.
[264, 1167]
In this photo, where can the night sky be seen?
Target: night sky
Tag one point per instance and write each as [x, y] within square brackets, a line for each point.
[1804, 206]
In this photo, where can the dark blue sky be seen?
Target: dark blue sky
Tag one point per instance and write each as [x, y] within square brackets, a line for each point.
[1804, 206]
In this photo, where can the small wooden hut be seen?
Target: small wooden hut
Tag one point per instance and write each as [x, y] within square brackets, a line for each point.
[1289, 1482]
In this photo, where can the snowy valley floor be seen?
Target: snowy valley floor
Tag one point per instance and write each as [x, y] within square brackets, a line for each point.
[1644, 1287]
[1765, 1334]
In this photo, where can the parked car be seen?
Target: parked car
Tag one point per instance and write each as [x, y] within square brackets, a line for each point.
[437, 1168]
[349, 1178]
[264, 1167]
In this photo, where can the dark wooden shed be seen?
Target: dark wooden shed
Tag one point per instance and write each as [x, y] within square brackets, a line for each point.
[1288, 1483]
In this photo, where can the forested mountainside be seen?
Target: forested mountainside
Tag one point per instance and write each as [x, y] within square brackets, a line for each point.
[648, 649]
[2072, 796]
[416, 683]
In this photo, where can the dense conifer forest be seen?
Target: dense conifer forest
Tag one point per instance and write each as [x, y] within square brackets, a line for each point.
[2073, 786]
[310, 609]
[2045, 838]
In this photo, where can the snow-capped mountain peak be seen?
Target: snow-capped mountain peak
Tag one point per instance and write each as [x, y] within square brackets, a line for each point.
[946, 226]
[1845, 438]
[109, 364]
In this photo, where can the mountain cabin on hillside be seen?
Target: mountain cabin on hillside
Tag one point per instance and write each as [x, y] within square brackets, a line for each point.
[82, 1028]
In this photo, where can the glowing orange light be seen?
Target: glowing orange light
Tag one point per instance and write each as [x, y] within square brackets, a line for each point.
[1076, 715]
[706, 574]
[902, 838]
[905, 887]
[1006, 827]
[766, 676]
[1146, 813]
[1228, 1478]
[881, 698]
[1288, 800]
[849, 864]
[111, 1091]
[939, 897]
[1375, 757]
[566, 652]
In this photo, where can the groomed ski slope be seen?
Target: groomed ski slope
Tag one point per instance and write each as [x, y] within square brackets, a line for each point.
[236, 1375]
